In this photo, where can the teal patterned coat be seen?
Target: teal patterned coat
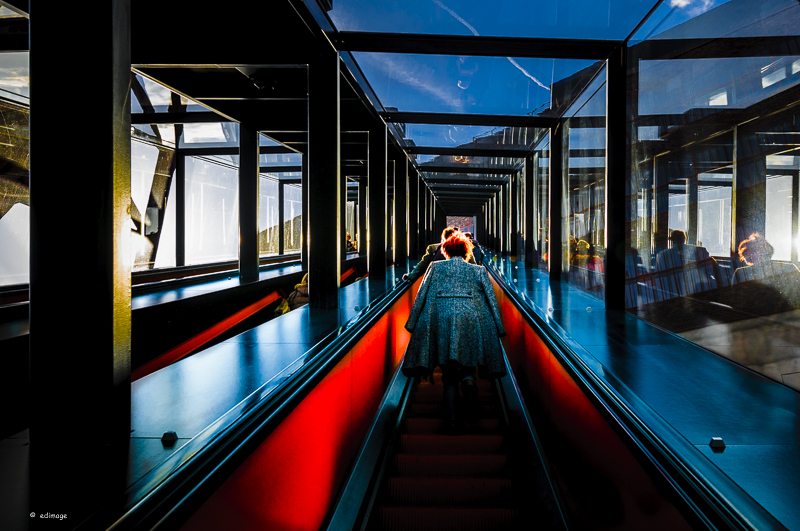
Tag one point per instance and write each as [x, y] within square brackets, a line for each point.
[455, 319]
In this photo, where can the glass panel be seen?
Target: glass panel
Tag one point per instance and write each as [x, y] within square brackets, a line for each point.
[7, 12]
[465, 85]
[165, 257]
[15, 77]
[714, 197]
[268, 221]
[281, 159]
[212, 212]
[470, 136]
[222, 134]
[14, 193]
[583, 138]
[292, 218]
[351, 221]
[15, 241]
[679, 91]
[572, 19]
[152, 168]
[709, 19]
[147, 96]
[541, 193]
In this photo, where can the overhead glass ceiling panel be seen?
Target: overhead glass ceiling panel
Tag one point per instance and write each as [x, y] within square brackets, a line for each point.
[438, 176]
[569, 19]
[155, 97]
[466, 160]
[469, 136]
[465, 85]
[688, 19]
[281, 159]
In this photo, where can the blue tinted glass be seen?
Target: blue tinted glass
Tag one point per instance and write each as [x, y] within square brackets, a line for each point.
[469, 136]
[575, 19]
[688, 19]
[465, 85]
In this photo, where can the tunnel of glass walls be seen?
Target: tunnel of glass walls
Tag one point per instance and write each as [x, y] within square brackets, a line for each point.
[712, 204]
[583, 138]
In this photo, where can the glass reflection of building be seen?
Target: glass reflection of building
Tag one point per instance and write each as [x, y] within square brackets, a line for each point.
[714, 160]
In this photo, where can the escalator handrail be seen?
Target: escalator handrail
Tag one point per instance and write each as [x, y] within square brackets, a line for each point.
[699, 484]
[169, 494]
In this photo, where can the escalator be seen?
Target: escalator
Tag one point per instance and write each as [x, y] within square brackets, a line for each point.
[471, 479]
[349, 443]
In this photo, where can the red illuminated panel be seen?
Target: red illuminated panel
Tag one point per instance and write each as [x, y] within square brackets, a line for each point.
[291, 480]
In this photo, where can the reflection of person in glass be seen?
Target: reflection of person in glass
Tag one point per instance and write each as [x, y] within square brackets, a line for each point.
[679, 253]
[756, 254]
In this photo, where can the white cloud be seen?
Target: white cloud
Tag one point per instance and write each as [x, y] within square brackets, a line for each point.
[14, 81]
[700, 6]
[417, 76]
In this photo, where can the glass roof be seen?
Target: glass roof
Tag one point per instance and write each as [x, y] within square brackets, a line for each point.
[469, 136]
[684, 19]
[464, 85]
[474, 162]
[568, 19]
[158, 98]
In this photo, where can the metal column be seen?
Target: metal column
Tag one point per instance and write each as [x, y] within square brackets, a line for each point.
[362, 217]
[554, 248]
[514, 226]
[401, 212]
[413, 214]
[80, 358]
[616, 172]
[377, 162]
[532, 247]
[248, 203]
[324, 181]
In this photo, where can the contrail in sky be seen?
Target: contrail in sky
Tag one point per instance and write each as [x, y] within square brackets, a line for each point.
[475, 32]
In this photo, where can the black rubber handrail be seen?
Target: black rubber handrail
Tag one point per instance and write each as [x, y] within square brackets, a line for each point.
[171, 493]
[715, 501]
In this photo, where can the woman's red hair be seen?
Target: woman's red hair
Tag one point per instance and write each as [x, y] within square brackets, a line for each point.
[457, 245]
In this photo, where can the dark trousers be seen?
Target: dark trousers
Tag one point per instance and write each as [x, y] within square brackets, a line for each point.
[452, 375]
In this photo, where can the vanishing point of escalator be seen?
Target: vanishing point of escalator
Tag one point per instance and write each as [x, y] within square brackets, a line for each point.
[468, 480]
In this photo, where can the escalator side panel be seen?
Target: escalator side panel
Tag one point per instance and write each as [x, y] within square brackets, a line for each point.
[292, 478]
[602, 483]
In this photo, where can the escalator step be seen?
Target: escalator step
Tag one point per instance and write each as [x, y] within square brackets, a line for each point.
[424, 425]
[478, 465]
[428, 398]
[447, 518]
[449, 491]
[450, 444]
[434, 409]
